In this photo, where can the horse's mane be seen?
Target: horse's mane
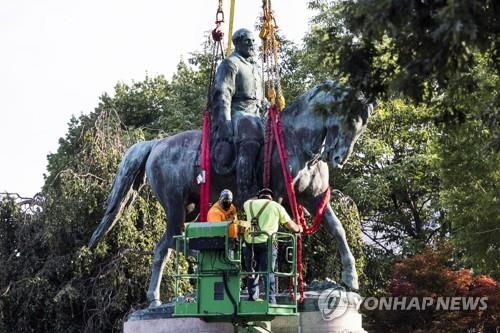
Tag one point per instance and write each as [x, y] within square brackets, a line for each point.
[318, 98]
[327, 99]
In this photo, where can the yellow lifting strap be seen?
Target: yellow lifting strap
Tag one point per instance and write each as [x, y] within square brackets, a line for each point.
[230, 32]
[271, 60]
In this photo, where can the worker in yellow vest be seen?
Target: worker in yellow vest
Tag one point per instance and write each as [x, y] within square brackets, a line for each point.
[223, 209]
[266, 216]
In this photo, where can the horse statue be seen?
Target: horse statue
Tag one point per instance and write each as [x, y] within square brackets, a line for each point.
[320, 127]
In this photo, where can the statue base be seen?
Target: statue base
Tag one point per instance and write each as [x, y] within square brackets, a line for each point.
[178, 325]
[320, 312]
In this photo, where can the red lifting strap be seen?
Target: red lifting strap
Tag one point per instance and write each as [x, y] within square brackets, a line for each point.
[217, 35]
[205, 166]
[274, 130]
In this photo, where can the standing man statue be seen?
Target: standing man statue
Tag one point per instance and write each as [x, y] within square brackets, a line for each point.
[237, 102]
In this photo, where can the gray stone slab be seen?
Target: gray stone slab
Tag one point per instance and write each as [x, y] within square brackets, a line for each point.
[311, 318]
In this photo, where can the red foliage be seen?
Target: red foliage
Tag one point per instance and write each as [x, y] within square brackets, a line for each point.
[428, 275]
[484, 285]
[462, 281]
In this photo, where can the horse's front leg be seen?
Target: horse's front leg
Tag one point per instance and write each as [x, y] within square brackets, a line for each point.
[332, 223]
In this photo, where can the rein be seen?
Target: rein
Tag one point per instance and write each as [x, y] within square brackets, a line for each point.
[323, 152]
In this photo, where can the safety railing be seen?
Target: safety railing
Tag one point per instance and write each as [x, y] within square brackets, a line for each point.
[232, 255]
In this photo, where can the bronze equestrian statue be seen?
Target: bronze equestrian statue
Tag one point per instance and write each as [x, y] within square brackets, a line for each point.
[318, 130]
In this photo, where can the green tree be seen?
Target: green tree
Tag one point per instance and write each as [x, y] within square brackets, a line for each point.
[394, 178]
[414, 47]
[9, 215]
[443, 55]
[22, 255]
[469, 162]
[55, 284]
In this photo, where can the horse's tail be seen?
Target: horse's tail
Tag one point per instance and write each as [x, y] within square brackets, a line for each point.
[129, 177]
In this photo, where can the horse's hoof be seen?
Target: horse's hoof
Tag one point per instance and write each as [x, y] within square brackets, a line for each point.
[350, 279]
[154, 303]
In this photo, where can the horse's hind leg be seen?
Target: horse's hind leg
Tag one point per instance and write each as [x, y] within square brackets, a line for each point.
[161, 255]
[349, 274]
[163, 249]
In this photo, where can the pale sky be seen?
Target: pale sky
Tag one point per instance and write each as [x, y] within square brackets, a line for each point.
[58, 56]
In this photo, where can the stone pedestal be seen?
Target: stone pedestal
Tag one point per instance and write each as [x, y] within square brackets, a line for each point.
[317, 314]
[177, 325]
[315, 318]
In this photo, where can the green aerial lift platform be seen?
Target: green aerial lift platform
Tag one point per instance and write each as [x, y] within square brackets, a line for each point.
[218, 275]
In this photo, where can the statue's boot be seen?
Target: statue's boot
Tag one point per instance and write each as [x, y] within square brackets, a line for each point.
[248, 152]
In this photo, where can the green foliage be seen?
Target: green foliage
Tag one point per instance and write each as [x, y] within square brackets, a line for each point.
[160, 107]
[9, 213]
[470, 160]
[60, 284]
[293, 71]
[394, 177]
[414, 169]
[52, 282]
[414, 47]
[19, 227]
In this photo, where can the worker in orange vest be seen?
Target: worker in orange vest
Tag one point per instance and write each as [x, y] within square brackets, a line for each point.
[223, 209]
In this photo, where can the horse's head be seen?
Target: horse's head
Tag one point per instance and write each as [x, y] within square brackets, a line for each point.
[341, 114]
